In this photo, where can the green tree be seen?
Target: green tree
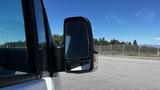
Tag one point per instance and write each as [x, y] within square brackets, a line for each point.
[135, 43]
[115, 42]
[128, 43]
[58, 39]
[96, 42]
[103, 41]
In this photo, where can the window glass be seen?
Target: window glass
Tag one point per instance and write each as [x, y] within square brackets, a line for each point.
[13, 50]
[41, 36]
[76, 40]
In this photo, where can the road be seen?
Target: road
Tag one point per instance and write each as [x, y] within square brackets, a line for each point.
[117, 73]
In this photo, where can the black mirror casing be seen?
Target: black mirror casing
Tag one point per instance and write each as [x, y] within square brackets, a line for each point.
[78, 45]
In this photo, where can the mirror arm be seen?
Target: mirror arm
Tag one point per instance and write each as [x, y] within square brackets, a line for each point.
[60, 60]
[95, 52]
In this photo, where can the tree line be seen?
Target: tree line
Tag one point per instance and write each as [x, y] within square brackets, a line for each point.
[103, 41]
[58, 39]
[13, 44]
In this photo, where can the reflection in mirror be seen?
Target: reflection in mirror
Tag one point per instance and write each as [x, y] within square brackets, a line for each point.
[83, 65]
[76, 40]
[67, 43]
[12, 34]
[13, 48]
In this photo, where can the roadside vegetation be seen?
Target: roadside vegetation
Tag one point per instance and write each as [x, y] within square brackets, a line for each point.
[58, 39]
[103, 46]
[117, 47]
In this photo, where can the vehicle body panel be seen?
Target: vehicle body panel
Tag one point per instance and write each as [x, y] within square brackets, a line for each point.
[48, 83]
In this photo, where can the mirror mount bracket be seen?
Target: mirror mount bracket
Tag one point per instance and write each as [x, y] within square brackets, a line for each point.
[60, 63]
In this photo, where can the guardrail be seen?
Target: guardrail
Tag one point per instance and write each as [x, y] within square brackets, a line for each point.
[129, 50]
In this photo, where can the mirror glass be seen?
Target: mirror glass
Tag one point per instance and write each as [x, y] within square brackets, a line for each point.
[76, 40]
[77, 45]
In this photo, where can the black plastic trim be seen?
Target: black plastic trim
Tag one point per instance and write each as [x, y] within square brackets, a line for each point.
[50, 45]
[54, 52]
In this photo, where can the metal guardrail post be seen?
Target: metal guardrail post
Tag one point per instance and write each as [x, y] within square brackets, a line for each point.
[139, 51]
[100, 49]
[111, 49]
[123, 50]
[158, 51]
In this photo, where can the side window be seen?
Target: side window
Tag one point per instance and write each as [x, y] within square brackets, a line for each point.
[42, 47]
[13, 50]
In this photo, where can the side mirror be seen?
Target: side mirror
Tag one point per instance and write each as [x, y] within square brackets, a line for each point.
[78, 49]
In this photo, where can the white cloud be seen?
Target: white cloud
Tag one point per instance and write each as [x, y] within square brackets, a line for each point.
[114, 18]
[118, 20]
[150, 16]
[146, 14]
[4, 29]
[157, 38]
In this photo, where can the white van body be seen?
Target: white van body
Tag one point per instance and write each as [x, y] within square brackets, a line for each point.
[48, 83]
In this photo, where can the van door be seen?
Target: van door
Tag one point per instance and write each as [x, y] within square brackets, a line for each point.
[16, 63]
[24, 63]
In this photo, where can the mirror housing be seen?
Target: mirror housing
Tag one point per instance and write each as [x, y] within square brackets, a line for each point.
[78, 45]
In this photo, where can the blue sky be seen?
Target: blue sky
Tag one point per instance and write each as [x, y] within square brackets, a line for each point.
[125, 20]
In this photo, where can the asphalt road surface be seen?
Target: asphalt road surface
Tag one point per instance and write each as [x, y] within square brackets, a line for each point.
[117, 73]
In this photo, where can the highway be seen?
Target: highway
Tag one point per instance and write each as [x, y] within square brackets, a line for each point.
[117, 73]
